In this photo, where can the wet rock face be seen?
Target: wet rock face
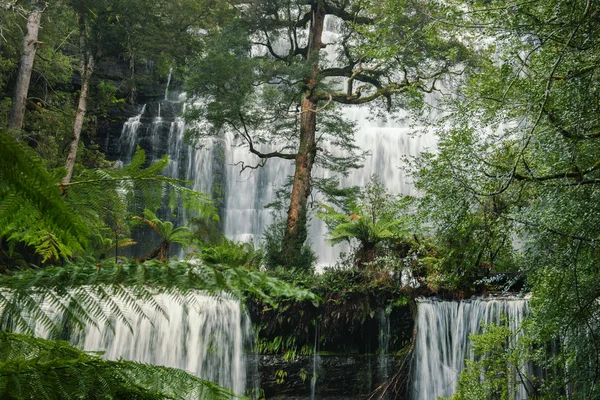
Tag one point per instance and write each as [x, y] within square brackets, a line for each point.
[337, 377]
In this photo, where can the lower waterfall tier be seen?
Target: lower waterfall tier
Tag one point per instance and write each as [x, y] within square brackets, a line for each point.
[442, 341]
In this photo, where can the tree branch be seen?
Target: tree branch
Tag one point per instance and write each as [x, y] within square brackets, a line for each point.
[248, 138]
[357, 98]
[563, 131]
[345, 15]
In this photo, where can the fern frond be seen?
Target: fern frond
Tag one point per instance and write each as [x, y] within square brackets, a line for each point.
[32, 368]
[87, 294]
[32, 209]
[106, 199]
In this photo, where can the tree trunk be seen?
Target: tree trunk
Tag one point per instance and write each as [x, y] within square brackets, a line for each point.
[296, 231]
[30, 42]
[87, 69]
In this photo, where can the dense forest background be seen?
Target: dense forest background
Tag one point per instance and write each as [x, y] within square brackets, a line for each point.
[509, 198]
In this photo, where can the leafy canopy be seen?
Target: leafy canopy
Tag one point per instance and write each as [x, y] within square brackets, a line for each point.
[517, 170]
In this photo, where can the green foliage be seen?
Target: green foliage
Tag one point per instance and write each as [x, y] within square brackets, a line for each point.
[9, 52]
[514, 181]
[374, 218]
[167, 233]
[275, 254]
[32, 210]
[32, 368]
[280, 376]
[470, 234]
[231, 254]
[497, 369]
[351, 303]
[266, 79]
[57, 220]
[107, 198]
[83, 290]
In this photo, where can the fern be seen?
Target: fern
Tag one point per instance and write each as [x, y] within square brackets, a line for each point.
[57, 220]
[107, 198]
[89, 293]
[32, 209]
[231, 254]
[167, 232]
[33, 368]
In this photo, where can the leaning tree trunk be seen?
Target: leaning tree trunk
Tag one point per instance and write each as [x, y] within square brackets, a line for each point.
[30, 43]
[87, 69]
[296, 231]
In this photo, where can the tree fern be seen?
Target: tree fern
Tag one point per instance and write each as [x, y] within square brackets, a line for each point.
[33, 368]
[167, 232]
[108, 197]
[230, 253]
[371, 218]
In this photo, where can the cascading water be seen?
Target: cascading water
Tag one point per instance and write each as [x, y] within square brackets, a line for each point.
[314, 378]
[159, 129]
[129, 136]
[168, 83]
[384, 362]
[215, 166]
[201, 334]
[442, 342]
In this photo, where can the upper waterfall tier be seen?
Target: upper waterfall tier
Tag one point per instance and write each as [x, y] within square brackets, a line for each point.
[214, 167]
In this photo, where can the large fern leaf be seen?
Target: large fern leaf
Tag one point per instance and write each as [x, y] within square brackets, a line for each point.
[89, 293]
[32, 209]
[33, 368]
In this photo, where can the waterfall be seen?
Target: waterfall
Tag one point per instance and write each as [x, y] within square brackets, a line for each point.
[315, 366]
[215, 165]
[201, 334]
[129, 136]
[383, 362]
[442, 342]
[168, 83]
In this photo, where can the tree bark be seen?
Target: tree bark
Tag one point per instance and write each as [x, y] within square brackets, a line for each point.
[87, 69]
[30, 42]
[296, 231]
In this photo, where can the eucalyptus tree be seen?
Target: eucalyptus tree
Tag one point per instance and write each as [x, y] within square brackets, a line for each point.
[28, 51]
[277, 75]
[520, 144]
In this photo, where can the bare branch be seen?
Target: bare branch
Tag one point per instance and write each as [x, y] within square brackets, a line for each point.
[248, 138]
[244, 167]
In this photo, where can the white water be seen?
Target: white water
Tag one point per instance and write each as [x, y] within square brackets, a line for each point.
[442, 343]
[168, 83]
[246, 193]
[203, 335]
[316, 360]
[128, 140]
[384, 364]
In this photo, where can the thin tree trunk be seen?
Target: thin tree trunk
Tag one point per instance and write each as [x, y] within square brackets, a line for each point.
[296, 231]
[30, 42]
[79, 117]
[87, 69]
